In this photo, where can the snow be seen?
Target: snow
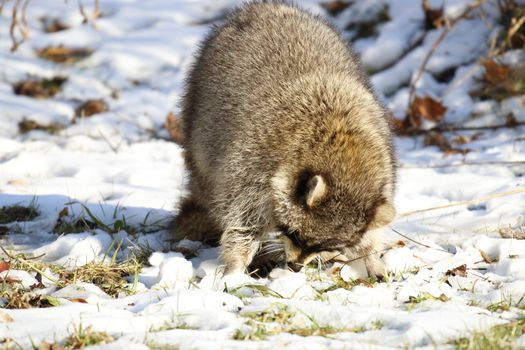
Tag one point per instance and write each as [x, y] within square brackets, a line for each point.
[120, 164]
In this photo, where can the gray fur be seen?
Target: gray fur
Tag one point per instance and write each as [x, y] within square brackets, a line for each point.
[283, 132]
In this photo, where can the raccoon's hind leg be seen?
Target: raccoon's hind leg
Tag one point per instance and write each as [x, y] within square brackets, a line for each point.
[193, 222]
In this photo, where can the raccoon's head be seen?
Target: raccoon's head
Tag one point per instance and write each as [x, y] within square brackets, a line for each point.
[318, 215]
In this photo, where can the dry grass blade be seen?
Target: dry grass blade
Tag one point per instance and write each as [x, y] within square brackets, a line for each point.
[471, 201]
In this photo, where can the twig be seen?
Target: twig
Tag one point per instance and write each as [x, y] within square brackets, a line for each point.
[82, 12]
[14, 22]
[452, 165]
[449, 24]
[419, 243]
[471, 201]
[452, 128]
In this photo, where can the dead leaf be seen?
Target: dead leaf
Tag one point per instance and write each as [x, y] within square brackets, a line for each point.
[18, 182]
[486, 257]
[91, 107]
[461, 271]
[79, 300]
[27, 125]
[61, 54]
[5, 318]
[400, 244]
[443, 297]
[336, 6]
[174, 127]
[4, 266]
[433, 17]
[64, 212]
[43, 88]
[55, 26]
[495, 73]
[426, 108]
[438, 139]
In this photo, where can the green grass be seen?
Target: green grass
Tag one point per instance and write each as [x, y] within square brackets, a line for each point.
[278, 318]
[110, 275]
[501, 337]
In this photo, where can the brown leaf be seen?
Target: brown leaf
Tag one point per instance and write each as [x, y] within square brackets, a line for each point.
[494, 72]
[61, 54]
[336, 6]
[44, 88]
[400, 244]
[18, 182]
[486, 257]
[443, 297]
[461, 270]
[4, 266]
[5, 318]
[426, 108]
[79, 300]
[55, 26]
[27, 125]
[91, 107]
[63, 212]
[438, 139]
[433, 17]
[174, 127]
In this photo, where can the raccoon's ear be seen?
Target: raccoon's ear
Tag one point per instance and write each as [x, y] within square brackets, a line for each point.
[314, 189]
[383, 214]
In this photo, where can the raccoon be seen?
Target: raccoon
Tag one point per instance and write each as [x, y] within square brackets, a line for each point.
[284, 138]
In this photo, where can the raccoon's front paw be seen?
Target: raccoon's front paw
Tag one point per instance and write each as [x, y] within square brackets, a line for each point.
[375, 267]
[262, 265]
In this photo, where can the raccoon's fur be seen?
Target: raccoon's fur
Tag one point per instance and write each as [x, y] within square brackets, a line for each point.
[284, 134]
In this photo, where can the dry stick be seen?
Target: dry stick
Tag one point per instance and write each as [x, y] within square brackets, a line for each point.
[471, 201]
[418, 243]
[24, 29]
[449, 24]
[14, 22]
[82, 12]
[452, 165]
[452, 128]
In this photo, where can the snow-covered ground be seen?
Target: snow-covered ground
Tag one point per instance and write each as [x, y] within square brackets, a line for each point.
[121, 164]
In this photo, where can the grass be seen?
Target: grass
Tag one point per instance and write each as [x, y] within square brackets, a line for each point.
[421, 297]
[88, 221]
[348, 285]
[157, 346]
[13, 213]
[500, 337]
[278, 319]
[83, 337]
[110, 275]
[18, 298]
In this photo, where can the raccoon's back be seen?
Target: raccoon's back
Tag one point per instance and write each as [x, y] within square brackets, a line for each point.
[244, 66]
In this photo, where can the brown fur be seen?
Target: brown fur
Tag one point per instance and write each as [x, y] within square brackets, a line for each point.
[283, 132]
